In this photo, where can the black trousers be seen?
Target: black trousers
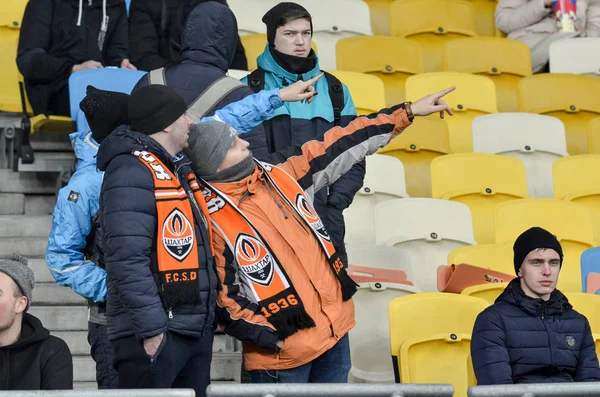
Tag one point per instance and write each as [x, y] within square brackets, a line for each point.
[104, 355]
[181, 362]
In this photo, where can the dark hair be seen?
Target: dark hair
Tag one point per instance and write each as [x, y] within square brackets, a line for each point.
[292, 15]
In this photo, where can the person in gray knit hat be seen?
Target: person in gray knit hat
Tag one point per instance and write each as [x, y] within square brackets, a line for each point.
[37, 360]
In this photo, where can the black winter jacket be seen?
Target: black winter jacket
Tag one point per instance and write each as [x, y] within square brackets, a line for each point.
[208, 47]
[524, 340]
[37, 361]
[51, 43]
[129, 219]
[155, 37]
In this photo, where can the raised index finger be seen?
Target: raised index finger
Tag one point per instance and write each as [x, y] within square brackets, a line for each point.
[313, 80]
[444, 92]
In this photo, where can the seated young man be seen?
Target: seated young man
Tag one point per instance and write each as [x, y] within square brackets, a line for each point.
[30, 358]
[285, 292]
[531, 334]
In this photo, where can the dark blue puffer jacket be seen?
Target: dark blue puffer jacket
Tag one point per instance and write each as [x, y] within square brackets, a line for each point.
[524, 340]
[207, 49]
[129, 219]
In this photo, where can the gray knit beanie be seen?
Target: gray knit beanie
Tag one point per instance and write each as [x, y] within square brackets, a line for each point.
[208, 145]
[16, 268]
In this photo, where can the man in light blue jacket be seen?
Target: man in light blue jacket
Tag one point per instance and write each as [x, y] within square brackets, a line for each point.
[75, 246]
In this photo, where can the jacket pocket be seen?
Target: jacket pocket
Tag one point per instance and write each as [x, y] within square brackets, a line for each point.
[163, 342]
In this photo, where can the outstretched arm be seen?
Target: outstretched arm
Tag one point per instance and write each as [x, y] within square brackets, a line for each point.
[247, 113]
[320, 162]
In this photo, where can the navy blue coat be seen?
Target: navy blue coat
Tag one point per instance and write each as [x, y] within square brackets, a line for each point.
[207, 49]
[524, 340]
[129, 219]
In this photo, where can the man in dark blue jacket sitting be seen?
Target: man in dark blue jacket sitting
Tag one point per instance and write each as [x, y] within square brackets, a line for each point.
[531, 334]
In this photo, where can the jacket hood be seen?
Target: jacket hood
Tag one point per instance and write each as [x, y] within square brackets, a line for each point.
[124, 140]
[85, 147]
[268, 63]
[514, 295]
[32, 333]
[210, 36]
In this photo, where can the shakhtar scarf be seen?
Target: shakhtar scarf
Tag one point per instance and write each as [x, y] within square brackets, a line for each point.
[177, 250]
[262, 272]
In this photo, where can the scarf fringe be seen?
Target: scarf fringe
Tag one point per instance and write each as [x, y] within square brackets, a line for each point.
[293, 321]
[181, 293]
[347, 285]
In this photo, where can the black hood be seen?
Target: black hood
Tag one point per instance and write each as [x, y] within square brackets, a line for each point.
[210, 36]
[125, 140]
[32, 333]
[513, 294]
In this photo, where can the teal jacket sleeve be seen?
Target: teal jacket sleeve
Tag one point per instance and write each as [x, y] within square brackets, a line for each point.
[248, 113]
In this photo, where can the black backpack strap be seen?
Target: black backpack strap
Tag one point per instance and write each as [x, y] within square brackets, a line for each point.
[336, 94]
[256, 80]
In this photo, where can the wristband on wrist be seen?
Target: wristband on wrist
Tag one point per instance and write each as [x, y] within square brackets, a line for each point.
[408, 110]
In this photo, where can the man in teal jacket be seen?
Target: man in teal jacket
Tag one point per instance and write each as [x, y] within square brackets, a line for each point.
[287, 58]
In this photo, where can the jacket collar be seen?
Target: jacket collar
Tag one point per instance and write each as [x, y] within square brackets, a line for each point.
[514, 295]
[85, 147]
[247, 185]
[266, 62]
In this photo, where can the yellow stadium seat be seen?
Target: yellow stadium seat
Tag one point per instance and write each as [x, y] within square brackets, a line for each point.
[594, 135]
[488, 292]
[498, 257]
[432, 23]
[380, 16]
[255, 44]
[368, 92]
[474, 96]
[588, 304]
[571, 223]
[10, 25]
[505, 61]
[392, 59]
[416, 147]
[572, 98]
[481, 181]
[484, 17]
[430, 335]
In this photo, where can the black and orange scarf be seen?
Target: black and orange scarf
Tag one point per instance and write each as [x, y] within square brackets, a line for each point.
[262, 272]
[177, 250]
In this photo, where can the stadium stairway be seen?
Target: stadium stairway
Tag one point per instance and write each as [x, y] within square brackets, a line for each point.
[26, 203]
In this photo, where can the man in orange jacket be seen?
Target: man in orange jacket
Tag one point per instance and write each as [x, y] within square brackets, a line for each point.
[284, 291]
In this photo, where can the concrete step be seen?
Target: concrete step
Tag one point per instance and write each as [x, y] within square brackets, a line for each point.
[226, 344]
[51, 294]
[28, 182]
[25, 226]
[12, 203]
[85, 385]
[84, 369]
[29, 246]
[49, 162]
[226, 367]
[51, 141]
[62, 318]
[40, 270]
[39, 204]
[77, 341]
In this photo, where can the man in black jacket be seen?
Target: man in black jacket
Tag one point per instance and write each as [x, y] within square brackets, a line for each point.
[30, 359]
[531, 334]
[155, 28]
[207, 49]
[160, 315]
[60, 37]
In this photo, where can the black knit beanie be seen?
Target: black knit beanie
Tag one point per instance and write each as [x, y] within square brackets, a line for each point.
[277, 16]
[532, 239]
[155, 107]
[104, 111]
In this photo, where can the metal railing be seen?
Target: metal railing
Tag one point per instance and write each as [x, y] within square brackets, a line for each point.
[586, 389]
[101, 393]
[329, 390]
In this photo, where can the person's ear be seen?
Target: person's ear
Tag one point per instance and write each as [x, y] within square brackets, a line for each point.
[21, 304]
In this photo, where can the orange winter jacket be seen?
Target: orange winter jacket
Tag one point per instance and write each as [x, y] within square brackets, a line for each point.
[314, 165]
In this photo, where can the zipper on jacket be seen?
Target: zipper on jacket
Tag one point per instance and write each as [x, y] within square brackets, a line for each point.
[284, 82]
[279, 205]
[171, 313]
